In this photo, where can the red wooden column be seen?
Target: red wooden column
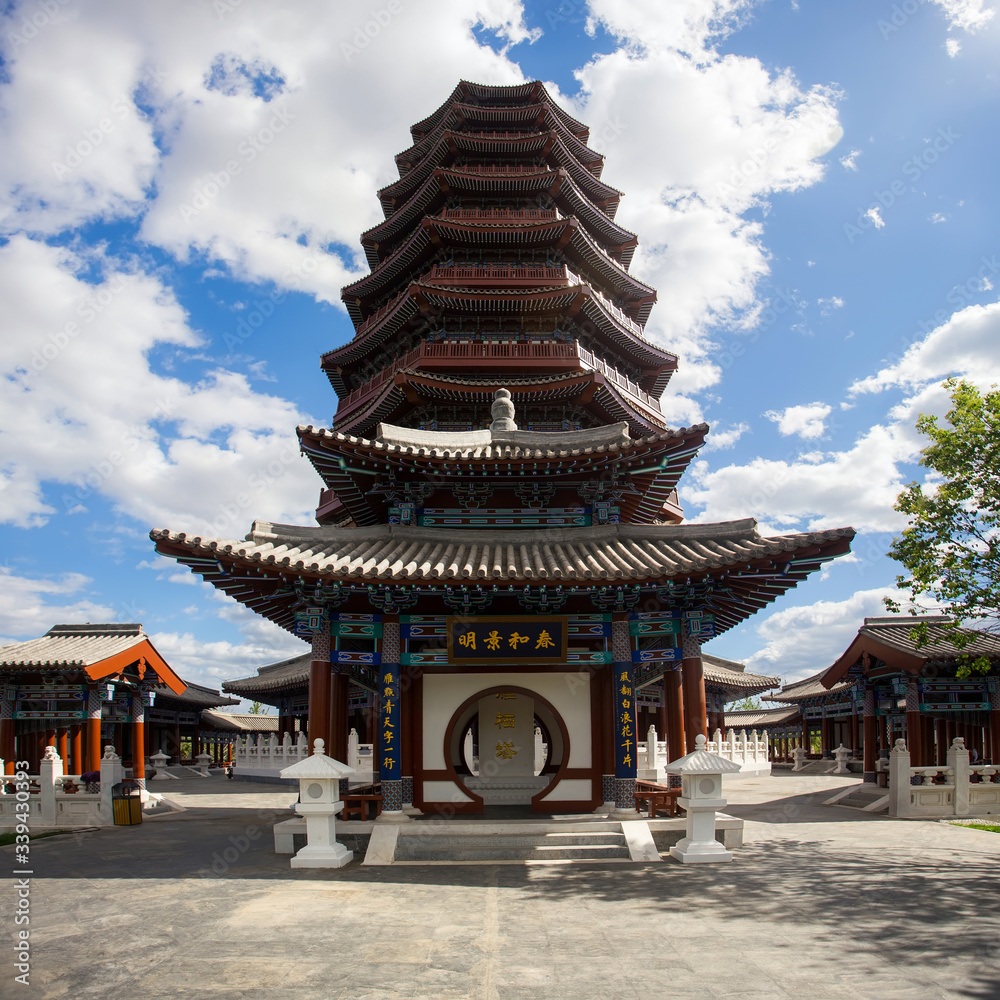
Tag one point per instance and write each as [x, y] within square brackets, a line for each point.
[806, 742]
[76, 749]
[63, 744]
[870, 736]
[319, 687]
[7, 742]
[914, 743]
[138, 739]
[825, 736]
[339, 685]
[94, 707]
[693, 679]
[673, 700]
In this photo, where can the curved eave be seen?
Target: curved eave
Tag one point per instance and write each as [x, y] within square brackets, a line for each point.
[549, 146]
[620, 332]
[567, 235]
[466, 92]
[470, 118]
[735, 571]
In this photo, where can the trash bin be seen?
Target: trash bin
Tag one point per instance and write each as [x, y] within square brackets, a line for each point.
[126, 804]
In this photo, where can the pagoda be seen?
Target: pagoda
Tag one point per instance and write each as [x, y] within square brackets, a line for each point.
[499, 561]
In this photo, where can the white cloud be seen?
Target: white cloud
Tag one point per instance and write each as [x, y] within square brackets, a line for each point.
[966, 345]
[807, 421]
[970, 15]
[207, 456]
[953, 46]
[850, 161]
[828, 306]
[938, 217]
[30, 606]
[720, 439]
[875, 214]
[802, 641]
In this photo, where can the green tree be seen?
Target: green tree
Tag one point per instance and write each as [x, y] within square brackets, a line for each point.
[951, 545]
[257, 708]
[749, 704]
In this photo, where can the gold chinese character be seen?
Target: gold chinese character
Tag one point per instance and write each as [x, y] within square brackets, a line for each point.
[626, 703]
[504, 721]
[626, 730]
[387, 706]
[627, 744]
[506, 750]
[469, 640]
[516, 639]
[493, 640]
[627, 760]
[387, 692]
[544, 640]
[506, 695]
[624, 689]
[388, 763]
[388, 679]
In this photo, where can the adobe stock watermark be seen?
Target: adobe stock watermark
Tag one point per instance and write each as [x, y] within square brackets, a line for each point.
[93, 306]
[898, 16]
[34, 22]
[366, 33]
[912, 169]
[262, 310]
[101, 471]
[246, 153]
[261, 479]
[91, 138]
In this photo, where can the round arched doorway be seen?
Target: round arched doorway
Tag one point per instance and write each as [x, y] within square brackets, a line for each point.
[506, 746]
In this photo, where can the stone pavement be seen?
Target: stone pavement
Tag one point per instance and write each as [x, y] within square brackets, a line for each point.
[822, 902]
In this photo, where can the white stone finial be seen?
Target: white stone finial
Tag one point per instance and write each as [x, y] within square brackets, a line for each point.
[900, 745]
[700, 743]
[502, 411]
[109, 753]
[51, 753]
[958, 742]
[319, 745]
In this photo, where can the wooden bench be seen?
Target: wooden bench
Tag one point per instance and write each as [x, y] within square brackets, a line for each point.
[657, 796]
[357, 802]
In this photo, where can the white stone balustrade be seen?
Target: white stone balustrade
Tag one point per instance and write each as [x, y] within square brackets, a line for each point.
[51, 806]
[261, 755]
[750, 752]
[955, 794]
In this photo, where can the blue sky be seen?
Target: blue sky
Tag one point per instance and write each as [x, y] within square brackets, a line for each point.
[181, 195]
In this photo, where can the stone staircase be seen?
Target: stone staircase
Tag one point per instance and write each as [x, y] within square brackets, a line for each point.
[470, 842]
[864, 796]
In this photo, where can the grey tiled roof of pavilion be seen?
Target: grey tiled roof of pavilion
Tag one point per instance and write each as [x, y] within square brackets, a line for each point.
[486, 444]
[614, 552]
[273, 676]
[72, 645]
[242, 722]
[732, 675]
[895, 631]
[196, 695]
[761, 718]
[811, 687]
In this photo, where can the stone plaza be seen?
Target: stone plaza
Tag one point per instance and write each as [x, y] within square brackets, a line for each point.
[822, 901]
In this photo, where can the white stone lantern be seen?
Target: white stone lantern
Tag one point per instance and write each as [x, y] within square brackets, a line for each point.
[701, 797]
[158, 761]
[319, 802]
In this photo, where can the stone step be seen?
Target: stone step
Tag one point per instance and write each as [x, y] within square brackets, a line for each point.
[511, 847]
[863, 797]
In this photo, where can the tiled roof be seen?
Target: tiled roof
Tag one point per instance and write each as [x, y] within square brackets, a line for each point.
[273, 677]
[73, 646]
[895, 631]
[811, 687]
[244, 722]
[195, 695]
[761, 718]
[613, 552]
[732, 676]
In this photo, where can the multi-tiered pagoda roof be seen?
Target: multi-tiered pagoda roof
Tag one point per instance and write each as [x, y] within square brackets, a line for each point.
[498, 441]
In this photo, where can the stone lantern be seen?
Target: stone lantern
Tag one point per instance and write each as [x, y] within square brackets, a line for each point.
[319, 802]
[158, 761]
[701, 797]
